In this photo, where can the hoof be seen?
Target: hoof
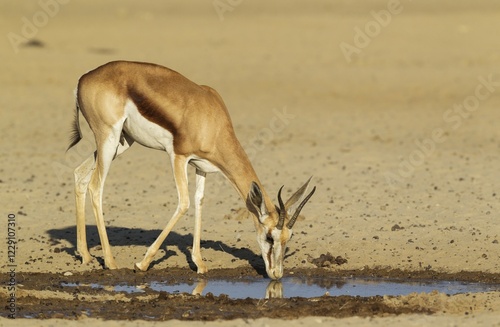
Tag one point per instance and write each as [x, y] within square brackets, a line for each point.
[202, 270]
[112, 266]
[138, 267]
[86, 261]
[86, 257]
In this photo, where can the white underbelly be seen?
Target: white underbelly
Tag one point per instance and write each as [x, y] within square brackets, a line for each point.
[154, 136]
[203, 164]
[146, 132]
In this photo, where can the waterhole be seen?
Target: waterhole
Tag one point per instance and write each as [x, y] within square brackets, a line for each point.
[288, 287]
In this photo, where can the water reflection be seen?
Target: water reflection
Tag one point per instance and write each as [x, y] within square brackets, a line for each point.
[314, 287]
[304, 287]
[274, 289]
[259, 288]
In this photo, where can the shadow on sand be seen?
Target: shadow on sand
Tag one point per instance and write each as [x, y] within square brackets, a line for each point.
[122, 236]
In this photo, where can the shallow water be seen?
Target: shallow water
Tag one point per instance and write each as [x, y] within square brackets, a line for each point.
[300, 287]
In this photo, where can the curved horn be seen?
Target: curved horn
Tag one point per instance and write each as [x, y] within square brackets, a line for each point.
[281, 220]
[297, 212]
[297, 195]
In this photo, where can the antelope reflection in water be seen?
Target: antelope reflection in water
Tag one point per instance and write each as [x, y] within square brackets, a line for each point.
[274, 289]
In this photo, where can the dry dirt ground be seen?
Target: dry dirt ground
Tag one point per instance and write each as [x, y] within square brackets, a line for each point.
[392, 106]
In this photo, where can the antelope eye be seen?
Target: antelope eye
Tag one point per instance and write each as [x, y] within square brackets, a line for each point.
[269, 239]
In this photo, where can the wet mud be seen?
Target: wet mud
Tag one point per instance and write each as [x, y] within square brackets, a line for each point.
[44, 295]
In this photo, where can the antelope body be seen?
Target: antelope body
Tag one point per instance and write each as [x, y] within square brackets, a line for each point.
[126, 102]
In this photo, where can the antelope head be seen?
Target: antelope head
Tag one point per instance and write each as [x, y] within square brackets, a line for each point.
[274, 228]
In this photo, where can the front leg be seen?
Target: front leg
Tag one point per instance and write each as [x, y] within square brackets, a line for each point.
[198, 202]
[179, 164]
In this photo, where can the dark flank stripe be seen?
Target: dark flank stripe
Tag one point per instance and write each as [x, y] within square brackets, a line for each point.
[151, 110]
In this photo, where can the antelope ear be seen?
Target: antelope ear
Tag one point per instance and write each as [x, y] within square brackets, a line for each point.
[255, 201]
[296, 196]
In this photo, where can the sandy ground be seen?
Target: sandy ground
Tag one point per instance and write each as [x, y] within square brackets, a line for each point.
[393, 112]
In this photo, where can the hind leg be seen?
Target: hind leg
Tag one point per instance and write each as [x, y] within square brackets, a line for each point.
[82, 178]
[107, 150]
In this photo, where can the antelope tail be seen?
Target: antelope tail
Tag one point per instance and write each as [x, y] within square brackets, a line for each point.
[76, 133]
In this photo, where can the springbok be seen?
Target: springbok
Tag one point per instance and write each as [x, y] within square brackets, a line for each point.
[159, 108]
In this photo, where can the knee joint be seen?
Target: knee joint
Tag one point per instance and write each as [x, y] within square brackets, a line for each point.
[183, 206]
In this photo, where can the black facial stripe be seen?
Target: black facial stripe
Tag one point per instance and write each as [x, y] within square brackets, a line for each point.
[269, 259]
